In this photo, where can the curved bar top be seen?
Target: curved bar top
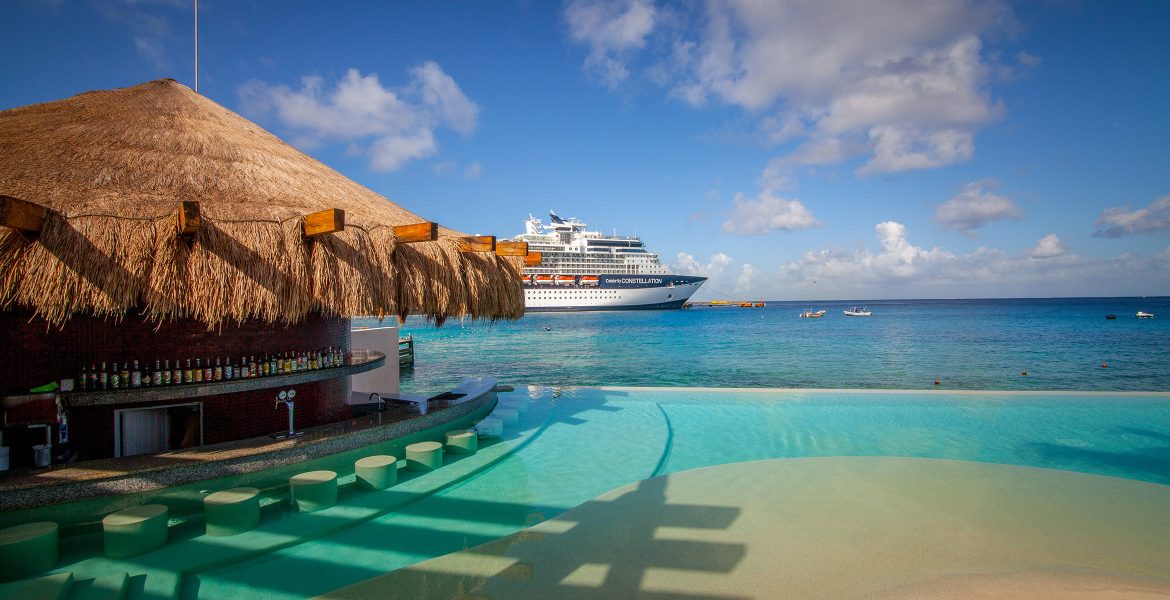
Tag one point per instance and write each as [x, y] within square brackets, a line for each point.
[108, 477]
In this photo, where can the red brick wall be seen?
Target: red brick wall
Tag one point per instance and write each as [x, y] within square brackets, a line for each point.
[33, 353]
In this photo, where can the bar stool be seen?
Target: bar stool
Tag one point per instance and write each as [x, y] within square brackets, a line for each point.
[376, 472]
[28, 549]
[462, 441]
[313, 490]
[424, 456]
[135, 530]
[233, 511]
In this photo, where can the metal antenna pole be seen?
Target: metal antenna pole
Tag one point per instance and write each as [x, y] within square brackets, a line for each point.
[197, 46]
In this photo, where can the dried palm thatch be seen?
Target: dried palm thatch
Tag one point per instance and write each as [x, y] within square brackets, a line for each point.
[113, 166]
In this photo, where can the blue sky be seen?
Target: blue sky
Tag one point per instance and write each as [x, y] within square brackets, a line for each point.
[787, 150]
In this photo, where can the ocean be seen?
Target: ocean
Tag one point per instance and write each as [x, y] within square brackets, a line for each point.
[1000, 344]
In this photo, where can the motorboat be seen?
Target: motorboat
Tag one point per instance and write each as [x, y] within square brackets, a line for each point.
[857, 311]
[811, 314]
[1144, 315]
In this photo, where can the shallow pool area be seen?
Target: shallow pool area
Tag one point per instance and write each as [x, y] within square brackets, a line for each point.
[1060, 456]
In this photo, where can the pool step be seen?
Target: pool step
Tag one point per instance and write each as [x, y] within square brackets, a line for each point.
[114, 586]
[50, 587]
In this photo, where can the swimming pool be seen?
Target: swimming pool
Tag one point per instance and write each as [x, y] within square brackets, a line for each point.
[575, 444]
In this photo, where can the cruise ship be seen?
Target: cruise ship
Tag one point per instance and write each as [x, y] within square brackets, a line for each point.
[586, 270]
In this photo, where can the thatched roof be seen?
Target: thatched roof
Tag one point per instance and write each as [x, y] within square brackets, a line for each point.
[114, 164]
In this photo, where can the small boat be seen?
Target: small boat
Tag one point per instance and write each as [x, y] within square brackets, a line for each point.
[566, 280]
[543, 279]
[811, 314]
[857, 311]
[590, 280]
[1144, 315]
[1111, 317]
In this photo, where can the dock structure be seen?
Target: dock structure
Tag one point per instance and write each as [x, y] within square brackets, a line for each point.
[726, 303]
[406, 351]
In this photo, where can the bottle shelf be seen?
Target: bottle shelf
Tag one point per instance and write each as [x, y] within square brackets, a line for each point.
[368, 362]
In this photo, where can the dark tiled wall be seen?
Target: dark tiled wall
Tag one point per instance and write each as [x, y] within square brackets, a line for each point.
[33, 352]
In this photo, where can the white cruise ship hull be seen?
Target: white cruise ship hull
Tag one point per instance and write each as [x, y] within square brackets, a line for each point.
[614, 292]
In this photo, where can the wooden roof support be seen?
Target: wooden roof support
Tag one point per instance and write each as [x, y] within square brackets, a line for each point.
[189, 218]
[532, 259]
[417, 232]
[22, 215]
[478, 243]
[330, 220]
[512, 248]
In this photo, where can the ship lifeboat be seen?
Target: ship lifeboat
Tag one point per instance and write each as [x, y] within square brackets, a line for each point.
[590, 280]
[566, 280]
[543, 279]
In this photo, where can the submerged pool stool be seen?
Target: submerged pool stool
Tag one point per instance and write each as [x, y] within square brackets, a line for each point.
[462, 441]
[520, 406]
[509, 416]
[233, 511]
[376, 472]
[424, 456]
[490, 427]
[135, 530]
[28, 549]
[313, 490]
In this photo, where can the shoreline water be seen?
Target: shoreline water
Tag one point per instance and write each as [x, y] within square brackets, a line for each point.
[1062, 345]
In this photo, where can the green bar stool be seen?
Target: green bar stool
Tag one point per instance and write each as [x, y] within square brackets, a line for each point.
[520, 406]
[462, 441]
[424, 456]
[509, 416]
[135, 530]
[376, 472]
[28, 549]
[233, 511]
[313, 490]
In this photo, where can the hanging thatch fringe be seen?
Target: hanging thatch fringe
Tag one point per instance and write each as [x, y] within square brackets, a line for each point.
[113, 166]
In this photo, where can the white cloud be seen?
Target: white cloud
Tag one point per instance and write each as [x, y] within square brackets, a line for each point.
[1120, 220]
[1048, 247]
[148, 22]
[901, 269]
[394, 126]
[688, 265]
[903, 82]
[975, 207]
[611, 29]
[473, 171]
[721, 275]
[765, 212]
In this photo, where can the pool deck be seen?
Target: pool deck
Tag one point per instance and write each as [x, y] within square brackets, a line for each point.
[28, 488]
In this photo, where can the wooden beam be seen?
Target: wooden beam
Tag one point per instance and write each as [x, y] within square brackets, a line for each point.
[478, 243]
[417, 232]
[532, 259]
[189, 218]
[511, 248]
[22, 215]
[330, 220]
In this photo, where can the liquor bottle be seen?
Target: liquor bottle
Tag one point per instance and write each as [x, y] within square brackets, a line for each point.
[253, 367]
[157, 378]
[83, 379]
[124, 376]
[218, 369]
[315, 361]
[287, 363]
[115, 379]
[188, 373]
[103, 378]
[135, 376]
[167, 376]
[93, 376]
[177, 377]
[207, 374]
[227, 369]
[264, 368]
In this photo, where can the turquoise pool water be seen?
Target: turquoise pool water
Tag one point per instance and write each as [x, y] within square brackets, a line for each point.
[574, 444]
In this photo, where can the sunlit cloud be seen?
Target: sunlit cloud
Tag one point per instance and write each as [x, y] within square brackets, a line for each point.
[765, 213]
[611, 29]
[392, 126]
[1119, 221]
[1048, 247]
[975, 207]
